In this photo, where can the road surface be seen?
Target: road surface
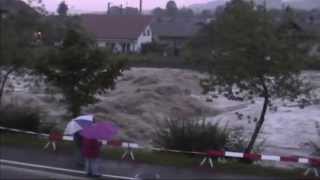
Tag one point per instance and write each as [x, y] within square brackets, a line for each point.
[13, 172]
[31, 163]
[116, 168]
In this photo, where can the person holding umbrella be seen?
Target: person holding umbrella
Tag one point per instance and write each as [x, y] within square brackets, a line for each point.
[91, 150]
[74, 128]
[91, 145]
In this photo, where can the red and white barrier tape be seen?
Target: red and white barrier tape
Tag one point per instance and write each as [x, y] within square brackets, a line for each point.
[249, 156]
[314, 162]
[178, 151]
[58, 137]
[22, 131]
[263, 157]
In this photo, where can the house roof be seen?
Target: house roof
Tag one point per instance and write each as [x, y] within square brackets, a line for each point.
[115, 27]
[16, 6]
[180, 28]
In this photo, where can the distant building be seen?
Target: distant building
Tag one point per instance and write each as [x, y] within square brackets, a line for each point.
[118, 10]
[122, 34]
[115, 10]
[16, 6]
[131, 11]
[174, 33]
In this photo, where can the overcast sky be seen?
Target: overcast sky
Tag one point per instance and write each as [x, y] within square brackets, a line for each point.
[101, 5]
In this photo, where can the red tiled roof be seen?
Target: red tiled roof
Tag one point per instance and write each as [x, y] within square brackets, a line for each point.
[115, 27]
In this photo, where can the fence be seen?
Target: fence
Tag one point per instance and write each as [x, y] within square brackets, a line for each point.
[312, 163]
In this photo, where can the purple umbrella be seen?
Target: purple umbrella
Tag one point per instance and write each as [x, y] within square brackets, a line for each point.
[101, 130]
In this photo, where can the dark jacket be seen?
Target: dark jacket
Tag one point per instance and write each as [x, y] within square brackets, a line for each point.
[90, 148]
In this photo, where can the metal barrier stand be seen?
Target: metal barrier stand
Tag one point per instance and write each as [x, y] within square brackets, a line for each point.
[312, 170]
[54, 147]
[128, 153]
[207, 159]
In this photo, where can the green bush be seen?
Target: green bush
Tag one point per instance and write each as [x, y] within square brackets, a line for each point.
[152, 48]
[47, 127]
[19, 117]
[191, 135]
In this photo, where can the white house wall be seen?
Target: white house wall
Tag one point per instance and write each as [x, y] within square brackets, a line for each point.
[101, 44]
[144, 38]
[132, 46]
[135, 46]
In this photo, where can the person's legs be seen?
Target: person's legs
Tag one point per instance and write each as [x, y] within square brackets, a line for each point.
[78, 157]
[86, 167]
[89, 167]
[95, 167]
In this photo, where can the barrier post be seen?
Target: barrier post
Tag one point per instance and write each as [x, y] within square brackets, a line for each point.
[53, 138]
[313, 168]
[210, 155]
[128, 152]
[207, 159]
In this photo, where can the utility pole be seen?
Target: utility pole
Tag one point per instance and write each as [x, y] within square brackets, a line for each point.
[109, 6]
[140, 9]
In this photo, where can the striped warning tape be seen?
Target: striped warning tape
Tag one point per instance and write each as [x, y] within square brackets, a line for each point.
[263, 157]
[178, 151]
[249, 156]
[22, 131]
[211, 153]
[313, 162]
[58, 137]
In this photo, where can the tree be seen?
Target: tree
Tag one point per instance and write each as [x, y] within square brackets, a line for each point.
[80, 70]
[206, 14]
[56, 27]
[20, 33]
[158, 12]
[249, 55]
[63, 9]
[171, 8]
[185, 12]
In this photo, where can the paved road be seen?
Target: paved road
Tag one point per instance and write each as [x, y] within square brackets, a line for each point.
[13, 172]
[119, 168]
[108, 167]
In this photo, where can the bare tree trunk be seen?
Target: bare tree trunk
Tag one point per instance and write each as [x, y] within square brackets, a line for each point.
[261, 119]
[4, 82]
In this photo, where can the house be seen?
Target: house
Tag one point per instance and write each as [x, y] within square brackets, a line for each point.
[16, 6]
[116, 10]
[122, 34]
[174, 33]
